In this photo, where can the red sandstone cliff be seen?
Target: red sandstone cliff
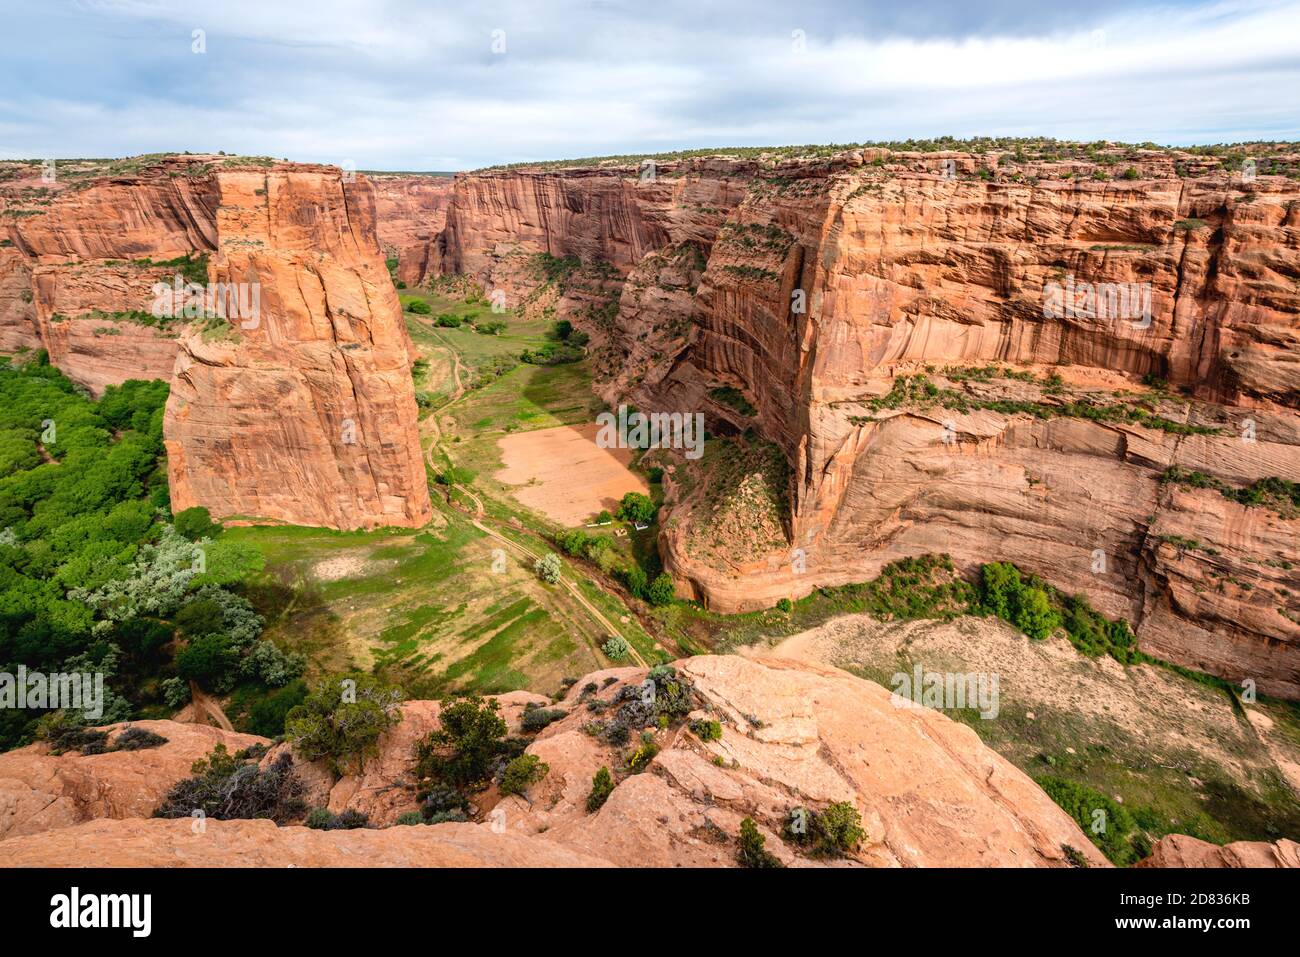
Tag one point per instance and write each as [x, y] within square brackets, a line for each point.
[900, 268]
[299, 408]
[411, 210]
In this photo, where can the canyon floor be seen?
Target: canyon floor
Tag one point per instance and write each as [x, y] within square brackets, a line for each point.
[448, 608]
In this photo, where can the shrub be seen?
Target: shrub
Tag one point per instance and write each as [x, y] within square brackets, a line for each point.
[785, 605]
[833, 832]
[492, 328]
[442, 802]
[707, 730]
[195, 523]
[548, 568]
[463, 751]
[137, 739]
[1107, 824]
[448, 321]
[522, 773]
[417, 306]
[640, 759]
[409, 818]
[634, 578]
[268, 713]
[230, 787]
[322, 819]
[342, 718]
[616, 648]
[753, 852]
[661, 590]
[552, 354]
[456, 476]
[538, 718]
[602, 786]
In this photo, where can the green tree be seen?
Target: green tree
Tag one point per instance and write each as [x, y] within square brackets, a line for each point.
[1035, 615]
[195, 523]
[548, 568]
[661, 590]
[341, 720]
[1000, 587]
[522, 773]
[463, 750]
[637, 508]
[210, 660]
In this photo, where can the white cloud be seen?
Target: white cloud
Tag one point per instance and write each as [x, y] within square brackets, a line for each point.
[405, 85]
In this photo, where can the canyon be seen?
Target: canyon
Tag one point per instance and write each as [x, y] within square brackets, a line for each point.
[870, 337]
[810, 286]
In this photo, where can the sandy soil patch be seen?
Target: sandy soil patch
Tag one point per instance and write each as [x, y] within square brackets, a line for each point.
[563, 474]
[346, 566]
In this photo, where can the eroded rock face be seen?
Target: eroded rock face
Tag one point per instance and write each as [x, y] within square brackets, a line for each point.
[410, 211]
[307, 413]
[40, 792]
[295, 406]
[1179, 850]
[809, 286]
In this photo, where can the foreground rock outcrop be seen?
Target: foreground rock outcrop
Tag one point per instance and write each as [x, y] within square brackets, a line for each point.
[40, 792]
[1179, 850]
[159, 843]
[794, 735]
[259, 291]
[786, 297]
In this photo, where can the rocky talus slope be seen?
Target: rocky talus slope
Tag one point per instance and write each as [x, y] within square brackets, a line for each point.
[295, 404]
[789, 296]
[929, 793]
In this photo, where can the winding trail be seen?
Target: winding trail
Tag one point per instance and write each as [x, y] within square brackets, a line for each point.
[479, 517]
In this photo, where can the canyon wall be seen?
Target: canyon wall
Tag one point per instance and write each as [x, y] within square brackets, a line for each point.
[292, 401]
[411, 210]
[811, 286]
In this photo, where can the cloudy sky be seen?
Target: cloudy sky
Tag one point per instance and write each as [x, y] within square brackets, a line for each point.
[400, 84]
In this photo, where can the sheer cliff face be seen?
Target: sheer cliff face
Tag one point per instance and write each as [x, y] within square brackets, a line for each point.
[411, 212]
[810, 286]
[299, 408]
[305, 413]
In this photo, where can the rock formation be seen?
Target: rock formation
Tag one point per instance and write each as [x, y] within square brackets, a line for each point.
[809, 286]
[291, 395]
[40, 792]
[794, 734]
[411, 211]
[1179, 850]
